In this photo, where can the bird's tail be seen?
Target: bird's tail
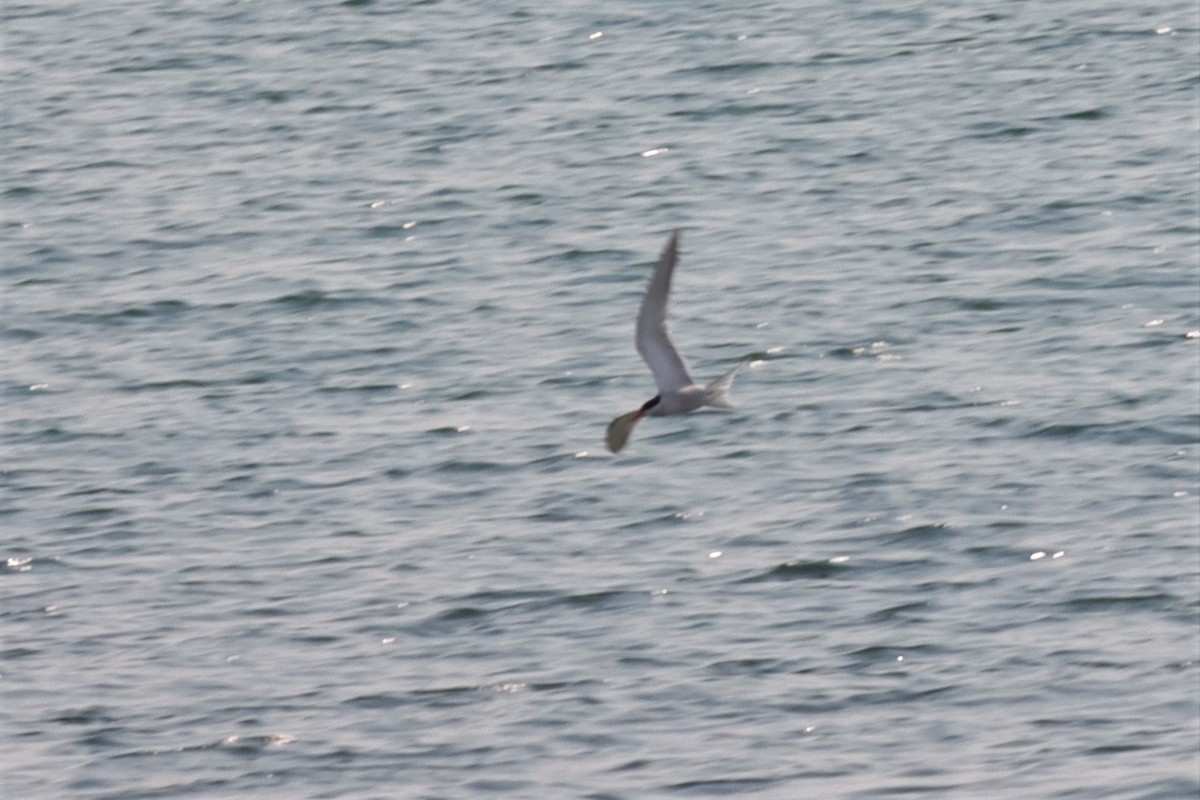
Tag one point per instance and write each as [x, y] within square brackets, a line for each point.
[716, 394]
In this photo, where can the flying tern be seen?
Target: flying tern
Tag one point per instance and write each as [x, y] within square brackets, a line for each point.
[677, 394]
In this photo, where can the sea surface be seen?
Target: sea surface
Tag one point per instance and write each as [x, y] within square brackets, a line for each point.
[313, 314]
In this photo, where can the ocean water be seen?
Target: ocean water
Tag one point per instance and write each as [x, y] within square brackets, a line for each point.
[314, 313]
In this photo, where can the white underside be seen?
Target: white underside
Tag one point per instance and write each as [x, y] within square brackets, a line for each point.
[689, 398]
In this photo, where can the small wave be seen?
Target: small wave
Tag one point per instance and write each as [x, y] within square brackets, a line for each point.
[725, 786]
[1118, 432]
[801, 570]
[1119, 602]
[122, 316]
[245, 744]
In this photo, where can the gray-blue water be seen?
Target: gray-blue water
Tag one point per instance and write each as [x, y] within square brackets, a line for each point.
[314, 314]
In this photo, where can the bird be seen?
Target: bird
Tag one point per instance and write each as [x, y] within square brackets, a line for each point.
[677, 394]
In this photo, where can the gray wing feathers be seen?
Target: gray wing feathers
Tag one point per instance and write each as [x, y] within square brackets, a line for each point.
[653, 343]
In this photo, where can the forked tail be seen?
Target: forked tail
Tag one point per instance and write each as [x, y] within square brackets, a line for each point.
[716, 394]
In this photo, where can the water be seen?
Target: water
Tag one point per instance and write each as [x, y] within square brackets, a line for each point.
[314, 315]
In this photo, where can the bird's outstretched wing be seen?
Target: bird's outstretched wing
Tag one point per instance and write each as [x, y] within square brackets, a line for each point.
[653, 343]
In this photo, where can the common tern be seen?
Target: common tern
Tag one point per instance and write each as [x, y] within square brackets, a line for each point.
[676, 392]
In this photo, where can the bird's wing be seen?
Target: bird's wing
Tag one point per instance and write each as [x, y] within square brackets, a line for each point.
[670, 373]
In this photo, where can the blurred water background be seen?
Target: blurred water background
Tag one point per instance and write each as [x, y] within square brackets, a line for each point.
[314, 314]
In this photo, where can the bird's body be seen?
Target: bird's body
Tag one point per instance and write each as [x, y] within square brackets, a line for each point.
[677, 394]
[689, 398]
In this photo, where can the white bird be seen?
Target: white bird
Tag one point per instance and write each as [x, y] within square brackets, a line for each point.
[676, 392]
